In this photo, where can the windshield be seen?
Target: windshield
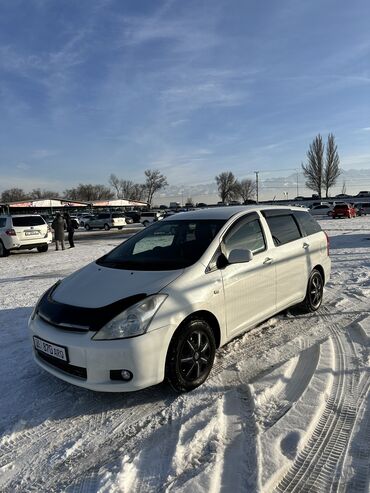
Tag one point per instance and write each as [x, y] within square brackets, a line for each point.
[167, 245]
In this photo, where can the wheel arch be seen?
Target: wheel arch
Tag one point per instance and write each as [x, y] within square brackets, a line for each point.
[321, 270]
[208, 317]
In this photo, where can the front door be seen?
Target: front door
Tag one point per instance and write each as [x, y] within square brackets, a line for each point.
[249, 287]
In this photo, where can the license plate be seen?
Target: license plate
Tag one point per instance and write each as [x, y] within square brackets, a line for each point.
[31, 233]
[59, 352]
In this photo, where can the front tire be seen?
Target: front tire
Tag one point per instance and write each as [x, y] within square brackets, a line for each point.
[314, 293]
[87, 227]
[106, 227]
[190, 356]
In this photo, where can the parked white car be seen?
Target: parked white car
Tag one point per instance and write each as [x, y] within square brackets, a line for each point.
[147, 218]
[24, 232]
[322, 210]
[105, 220]
[160, 304]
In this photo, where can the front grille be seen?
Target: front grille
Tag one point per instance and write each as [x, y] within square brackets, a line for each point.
[76, 371]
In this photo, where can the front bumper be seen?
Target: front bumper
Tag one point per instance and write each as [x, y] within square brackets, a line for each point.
[144, 356]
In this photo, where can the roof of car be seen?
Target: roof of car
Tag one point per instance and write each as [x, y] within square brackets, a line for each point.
[226, 212]
[20, 215]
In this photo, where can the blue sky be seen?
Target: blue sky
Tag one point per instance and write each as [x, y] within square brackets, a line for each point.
[190, 87]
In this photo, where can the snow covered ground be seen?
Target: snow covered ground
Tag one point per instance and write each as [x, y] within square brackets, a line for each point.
[286, 407]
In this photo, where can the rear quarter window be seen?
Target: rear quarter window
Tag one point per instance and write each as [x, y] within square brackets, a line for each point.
[2, 222]
[307, 223]
[284, 229]
[28, 221]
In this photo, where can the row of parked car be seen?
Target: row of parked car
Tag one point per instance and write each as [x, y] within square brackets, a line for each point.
[29, 231]
[342, 209]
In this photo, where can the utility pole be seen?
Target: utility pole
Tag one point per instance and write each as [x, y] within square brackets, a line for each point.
[297, 184]
[257, 172]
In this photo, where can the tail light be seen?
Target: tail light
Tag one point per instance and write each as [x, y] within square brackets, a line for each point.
[327, 244]
[10, 232]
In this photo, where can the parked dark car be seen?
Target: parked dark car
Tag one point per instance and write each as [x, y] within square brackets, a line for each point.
[134, 215]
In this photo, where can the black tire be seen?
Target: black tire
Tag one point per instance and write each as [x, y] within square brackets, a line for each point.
[190, 356]
[314, 293]
[120, 227]
[146, 223]
[4, 252]
[87, 227]
[43, 248]
[106, 227]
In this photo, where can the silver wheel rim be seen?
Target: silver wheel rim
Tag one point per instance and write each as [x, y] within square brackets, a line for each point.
[316, 290]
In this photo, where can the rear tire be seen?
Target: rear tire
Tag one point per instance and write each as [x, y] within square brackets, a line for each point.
[314, 293]
[146, 223]
[43, 248]
[4, 252]
[106, 227]
[190, 356]
[87, 227]
[120, 227]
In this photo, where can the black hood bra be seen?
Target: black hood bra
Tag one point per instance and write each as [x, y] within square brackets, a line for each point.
[77, 318]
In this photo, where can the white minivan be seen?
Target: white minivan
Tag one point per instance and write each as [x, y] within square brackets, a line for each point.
[160, 304]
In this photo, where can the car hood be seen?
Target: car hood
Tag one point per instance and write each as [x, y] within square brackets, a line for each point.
[96, 286]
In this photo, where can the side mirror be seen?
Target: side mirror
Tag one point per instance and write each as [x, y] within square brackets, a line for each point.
[239, 255]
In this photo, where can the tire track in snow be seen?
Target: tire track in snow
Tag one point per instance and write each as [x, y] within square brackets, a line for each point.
[318, 465]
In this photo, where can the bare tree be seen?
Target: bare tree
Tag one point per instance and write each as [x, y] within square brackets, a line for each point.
[88, 193]
[227, 185]
[246, 189]
[37, 193]
[155, 181]
[13, 195]
[313, 170]
[331, 170]
[137, 192]
[115, 183]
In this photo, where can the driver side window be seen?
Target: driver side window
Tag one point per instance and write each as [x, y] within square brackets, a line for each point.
[247, 235]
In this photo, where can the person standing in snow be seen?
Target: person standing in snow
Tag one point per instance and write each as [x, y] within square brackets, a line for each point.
[70, 228]
[58, 226]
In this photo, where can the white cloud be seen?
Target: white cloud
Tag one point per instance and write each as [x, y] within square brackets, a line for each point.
[43, 153]
[23, 166]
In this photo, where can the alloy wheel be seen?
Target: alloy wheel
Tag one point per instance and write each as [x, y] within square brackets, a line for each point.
[195, 356]
[316, 290]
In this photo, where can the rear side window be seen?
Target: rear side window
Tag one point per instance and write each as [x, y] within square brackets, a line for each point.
[307, 223]
[2, 222]
[27, 221]
[284, 229]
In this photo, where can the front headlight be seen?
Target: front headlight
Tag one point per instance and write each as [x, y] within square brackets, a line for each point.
[132, 322]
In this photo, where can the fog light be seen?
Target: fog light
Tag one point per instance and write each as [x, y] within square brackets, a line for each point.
[126, 375]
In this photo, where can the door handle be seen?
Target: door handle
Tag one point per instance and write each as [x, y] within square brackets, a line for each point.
[305, 245]
[268, 260]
